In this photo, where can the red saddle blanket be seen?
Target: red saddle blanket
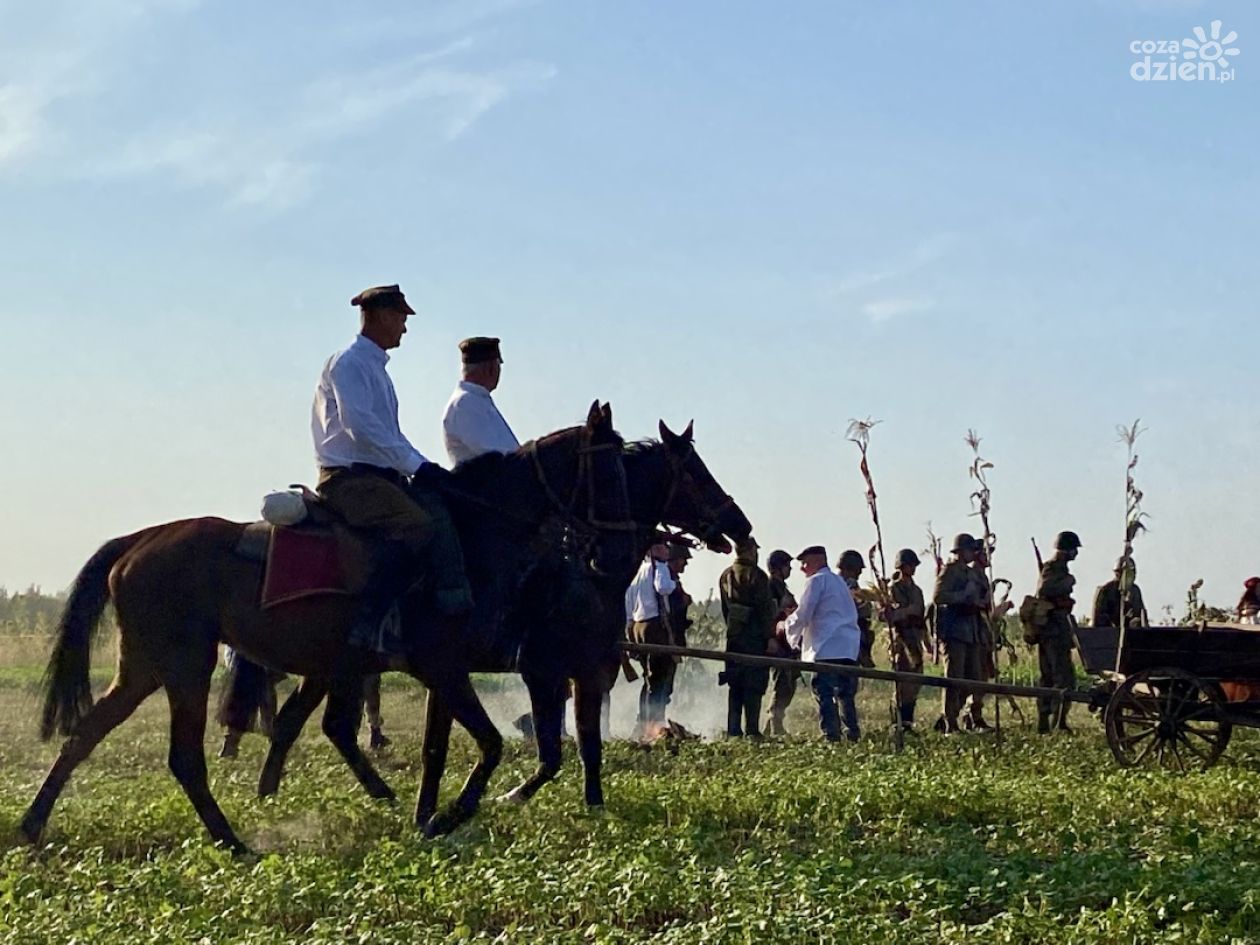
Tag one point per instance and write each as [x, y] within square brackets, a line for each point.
[302, 562]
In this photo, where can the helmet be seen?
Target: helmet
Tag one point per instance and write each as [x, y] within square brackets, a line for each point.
[906, 556]
[851, 559]
[677, 551]
[965, 542]
[1067, 541]
[779, 558]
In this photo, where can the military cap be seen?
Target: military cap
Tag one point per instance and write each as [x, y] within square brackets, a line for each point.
[965, 542]
[1066, 541]
[1251, 582]
[778, 558]
[811, 551]
[478, 350]
[677, 551]
[851, 559]
[383, 296]
[906, 556]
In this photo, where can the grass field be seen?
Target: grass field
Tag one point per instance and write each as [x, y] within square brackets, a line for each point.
[786, 841]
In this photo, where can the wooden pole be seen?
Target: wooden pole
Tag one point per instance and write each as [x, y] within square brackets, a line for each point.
[861, 672]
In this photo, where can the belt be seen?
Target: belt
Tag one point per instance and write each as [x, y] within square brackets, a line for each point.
[363, 469]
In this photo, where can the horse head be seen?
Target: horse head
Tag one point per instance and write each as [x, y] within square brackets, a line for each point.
[695, 502]
[581, 472]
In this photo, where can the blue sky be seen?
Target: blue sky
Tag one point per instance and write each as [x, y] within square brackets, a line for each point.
[771, 218]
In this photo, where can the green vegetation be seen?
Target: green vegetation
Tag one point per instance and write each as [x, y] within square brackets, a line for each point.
[789, 841]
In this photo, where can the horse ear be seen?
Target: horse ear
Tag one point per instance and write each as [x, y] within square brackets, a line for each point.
[593, 415]
[687, 433]
[668, 436]
[606, 412]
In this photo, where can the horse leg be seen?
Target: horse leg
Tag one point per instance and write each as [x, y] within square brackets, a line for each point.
[342, 715]
[461, 700]
[188, 700]
[437, 739]
[286, 728]
[589, 693]
[546, 698]
[119, 701]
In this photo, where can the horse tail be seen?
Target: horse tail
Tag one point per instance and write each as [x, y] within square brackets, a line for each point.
[67, 682]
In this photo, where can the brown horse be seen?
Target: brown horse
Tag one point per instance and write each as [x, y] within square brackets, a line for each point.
[181, 588]
[569, 622]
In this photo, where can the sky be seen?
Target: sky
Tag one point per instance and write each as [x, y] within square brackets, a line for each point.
[769, 218]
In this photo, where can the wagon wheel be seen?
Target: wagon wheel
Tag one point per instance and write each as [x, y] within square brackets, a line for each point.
[1167, 718]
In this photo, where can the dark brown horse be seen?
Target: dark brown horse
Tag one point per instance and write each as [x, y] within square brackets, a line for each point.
[568, 621]
[181, 588]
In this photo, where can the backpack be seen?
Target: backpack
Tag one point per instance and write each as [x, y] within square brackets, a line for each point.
[1033, 614]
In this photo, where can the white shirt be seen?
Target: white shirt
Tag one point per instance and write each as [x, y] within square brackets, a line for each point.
[355, 415]
[473, 425]
[652, 583]
[825, 623]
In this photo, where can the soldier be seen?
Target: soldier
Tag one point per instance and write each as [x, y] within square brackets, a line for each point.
[851, 566]
[907, 619]
[783, 681]
[973, 719]
[748, 608]
[1107, 600]
[1054, 643]
[958, 599]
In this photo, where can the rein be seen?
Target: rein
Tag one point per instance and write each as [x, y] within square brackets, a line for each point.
[585, 476]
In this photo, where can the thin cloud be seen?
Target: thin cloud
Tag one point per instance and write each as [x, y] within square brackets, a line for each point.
[882, 310]
[924, 254]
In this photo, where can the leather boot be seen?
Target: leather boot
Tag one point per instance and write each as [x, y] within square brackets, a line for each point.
[391, 577]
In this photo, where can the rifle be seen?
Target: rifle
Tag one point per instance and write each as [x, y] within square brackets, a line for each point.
[1037, 552]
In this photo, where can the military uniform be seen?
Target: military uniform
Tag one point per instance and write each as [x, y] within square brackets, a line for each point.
[783, 681]
[851, 565]
[958, 598]
[749, 611]
[974, 718]
[1107, 606]
[906, 644]
[1054, 643]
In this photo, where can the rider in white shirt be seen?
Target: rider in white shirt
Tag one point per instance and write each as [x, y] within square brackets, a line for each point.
[472, 423]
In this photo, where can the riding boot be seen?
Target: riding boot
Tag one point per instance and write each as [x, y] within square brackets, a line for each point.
[392, 576]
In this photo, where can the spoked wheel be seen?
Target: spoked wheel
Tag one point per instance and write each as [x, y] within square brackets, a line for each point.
[1166, 718]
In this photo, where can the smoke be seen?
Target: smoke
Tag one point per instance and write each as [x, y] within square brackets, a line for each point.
[697, 702]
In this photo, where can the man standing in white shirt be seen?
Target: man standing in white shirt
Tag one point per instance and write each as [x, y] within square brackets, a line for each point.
[648, 622]
[365, 466]
[825, 627]
[472, 423]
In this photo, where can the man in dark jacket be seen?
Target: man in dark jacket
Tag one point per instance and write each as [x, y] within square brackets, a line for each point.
[749, 610]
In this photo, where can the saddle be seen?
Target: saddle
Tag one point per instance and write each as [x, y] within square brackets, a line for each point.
[318, 555]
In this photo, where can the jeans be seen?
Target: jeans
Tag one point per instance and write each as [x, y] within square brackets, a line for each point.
[830, 689]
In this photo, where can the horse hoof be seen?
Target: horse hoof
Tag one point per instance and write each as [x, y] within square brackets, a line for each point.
[515, 797]
[30, 832]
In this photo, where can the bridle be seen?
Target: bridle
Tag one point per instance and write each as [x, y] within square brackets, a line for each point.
[708, 515]
[584, 479]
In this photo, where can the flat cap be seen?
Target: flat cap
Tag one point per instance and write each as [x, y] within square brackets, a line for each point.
[383, 296]
[811, 551]
[478, 350]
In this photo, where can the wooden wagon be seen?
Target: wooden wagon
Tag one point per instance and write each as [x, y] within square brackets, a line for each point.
[1166, 690]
